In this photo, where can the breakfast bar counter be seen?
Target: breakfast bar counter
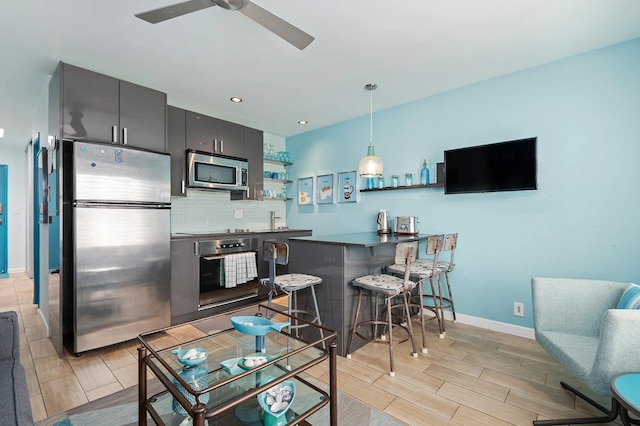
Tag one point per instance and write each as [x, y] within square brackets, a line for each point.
[338, 259]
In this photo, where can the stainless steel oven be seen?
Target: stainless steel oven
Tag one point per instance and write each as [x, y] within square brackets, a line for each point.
[228, 271]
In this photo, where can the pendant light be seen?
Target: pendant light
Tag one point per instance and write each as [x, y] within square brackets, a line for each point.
[370, 166]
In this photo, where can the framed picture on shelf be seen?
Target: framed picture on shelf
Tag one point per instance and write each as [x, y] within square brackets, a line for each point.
[324, 185]
[347, 187]
[305, 191]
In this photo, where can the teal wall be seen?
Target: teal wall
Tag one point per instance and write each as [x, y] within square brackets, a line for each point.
[581, 222]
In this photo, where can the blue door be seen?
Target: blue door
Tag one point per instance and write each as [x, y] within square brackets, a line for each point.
[4, 248]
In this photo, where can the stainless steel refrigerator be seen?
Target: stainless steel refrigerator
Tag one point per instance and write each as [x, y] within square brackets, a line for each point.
[116, 244]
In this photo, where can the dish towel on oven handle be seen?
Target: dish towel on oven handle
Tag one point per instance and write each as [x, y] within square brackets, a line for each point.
[239, 268]
[230, 269]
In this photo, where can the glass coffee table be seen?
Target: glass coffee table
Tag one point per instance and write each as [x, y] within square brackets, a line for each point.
[227, 380]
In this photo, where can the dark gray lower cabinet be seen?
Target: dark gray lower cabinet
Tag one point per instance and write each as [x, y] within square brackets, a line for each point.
[338, 265]
[185, 280]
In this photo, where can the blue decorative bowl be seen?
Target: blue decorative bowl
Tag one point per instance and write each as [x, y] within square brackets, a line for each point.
[180, 353]
[276, 418]
[256, 326]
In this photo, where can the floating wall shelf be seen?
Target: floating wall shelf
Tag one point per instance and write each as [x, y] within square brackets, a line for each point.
[390, 188]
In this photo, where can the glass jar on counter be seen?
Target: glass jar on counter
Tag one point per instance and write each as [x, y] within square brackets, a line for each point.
[408, 179]
[394, 181]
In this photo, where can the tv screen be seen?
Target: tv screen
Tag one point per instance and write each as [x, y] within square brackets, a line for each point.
[503, 166]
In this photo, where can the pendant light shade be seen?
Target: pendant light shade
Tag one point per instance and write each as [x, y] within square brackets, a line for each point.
[370, 166]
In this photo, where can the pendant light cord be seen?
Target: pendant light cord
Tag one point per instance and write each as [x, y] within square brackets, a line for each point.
[371, 118]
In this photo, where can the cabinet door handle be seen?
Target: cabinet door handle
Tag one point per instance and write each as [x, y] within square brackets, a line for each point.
[215, 145]
[221, 146]
[114, 134]
[182, 189]
[195, 248]
[124, 136]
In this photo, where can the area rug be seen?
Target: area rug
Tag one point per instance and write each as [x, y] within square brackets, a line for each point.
[118, 410]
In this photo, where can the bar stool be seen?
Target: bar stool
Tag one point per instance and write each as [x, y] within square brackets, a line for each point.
[420, 271]
[389, 286]
[278, 254]
[441, 299]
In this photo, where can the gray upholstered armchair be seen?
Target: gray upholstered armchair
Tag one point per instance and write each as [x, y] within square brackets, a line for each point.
[577, 323]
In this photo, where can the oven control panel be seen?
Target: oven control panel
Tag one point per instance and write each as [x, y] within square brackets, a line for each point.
[229, 245]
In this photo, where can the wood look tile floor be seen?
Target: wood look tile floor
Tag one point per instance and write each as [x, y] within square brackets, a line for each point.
[471, 377]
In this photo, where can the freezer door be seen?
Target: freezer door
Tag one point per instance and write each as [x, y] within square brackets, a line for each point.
[105, 172]
[122, 276]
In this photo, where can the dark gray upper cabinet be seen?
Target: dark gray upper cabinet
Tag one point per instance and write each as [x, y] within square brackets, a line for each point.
[100, 108]
[215, 136]
[176, 145]
[143, 114]
[90, 103]
[253, 153]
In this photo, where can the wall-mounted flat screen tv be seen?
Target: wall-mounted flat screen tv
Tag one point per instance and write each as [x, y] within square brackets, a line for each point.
[503, 166]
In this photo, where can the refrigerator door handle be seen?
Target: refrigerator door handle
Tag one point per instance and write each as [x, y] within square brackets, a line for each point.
[101, 205]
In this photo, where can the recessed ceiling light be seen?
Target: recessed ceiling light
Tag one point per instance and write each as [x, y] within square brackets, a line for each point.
[303, 122]
[236, 99]
[1, 133]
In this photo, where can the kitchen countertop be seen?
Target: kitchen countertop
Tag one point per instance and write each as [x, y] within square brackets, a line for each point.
[365, 239]
[234, 233]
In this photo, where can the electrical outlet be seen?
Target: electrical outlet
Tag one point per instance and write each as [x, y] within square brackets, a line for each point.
[238, 214]
[518, 309]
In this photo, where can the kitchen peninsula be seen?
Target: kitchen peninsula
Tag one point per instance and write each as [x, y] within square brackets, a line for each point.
[338, 259]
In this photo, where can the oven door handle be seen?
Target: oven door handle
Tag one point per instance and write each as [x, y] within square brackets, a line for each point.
[212, 257]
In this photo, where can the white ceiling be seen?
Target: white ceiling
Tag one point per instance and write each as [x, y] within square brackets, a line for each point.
[411, 49]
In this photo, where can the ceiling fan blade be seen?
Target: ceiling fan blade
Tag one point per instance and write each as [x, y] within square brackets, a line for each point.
[278, 26]
[173, 11]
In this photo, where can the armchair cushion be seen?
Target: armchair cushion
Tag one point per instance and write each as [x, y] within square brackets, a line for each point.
[630, 298]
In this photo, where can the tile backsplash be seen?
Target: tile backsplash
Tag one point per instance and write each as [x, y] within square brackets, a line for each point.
[212, 211]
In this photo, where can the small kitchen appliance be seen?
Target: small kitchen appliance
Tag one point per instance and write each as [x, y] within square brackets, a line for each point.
[406, 225]
[383, 222]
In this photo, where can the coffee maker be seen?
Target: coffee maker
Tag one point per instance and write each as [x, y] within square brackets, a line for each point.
[383, 222]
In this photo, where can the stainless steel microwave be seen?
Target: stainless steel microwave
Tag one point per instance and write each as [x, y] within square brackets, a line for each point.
[216, 172]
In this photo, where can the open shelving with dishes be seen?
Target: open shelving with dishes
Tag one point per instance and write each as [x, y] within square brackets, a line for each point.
[273, 182]
[391, 188]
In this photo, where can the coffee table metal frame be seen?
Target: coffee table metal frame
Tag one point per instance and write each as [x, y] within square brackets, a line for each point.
[168, 375]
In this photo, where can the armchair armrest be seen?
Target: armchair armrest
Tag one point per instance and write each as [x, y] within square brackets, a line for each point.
[573, 305]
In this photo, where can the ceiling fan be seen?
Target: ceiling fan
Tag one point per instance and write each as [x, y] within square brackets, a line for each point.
[276, 25]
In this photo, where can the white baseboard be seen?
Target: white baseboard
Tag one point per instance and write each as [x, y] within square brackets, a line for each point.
[502, 327]
[16, 270]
